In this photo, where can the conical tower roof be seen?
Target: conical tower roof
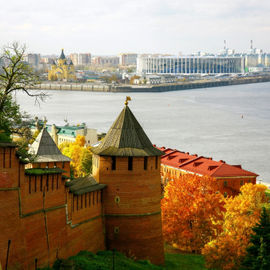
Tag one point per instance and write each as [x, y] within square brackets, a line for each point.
[62, 56]
[45, 150]
[126, 138]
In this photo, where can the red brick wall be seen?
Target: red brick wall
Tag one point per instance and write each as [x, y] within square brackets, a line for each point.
[84, 206]
[9, 167]
[62, 165]
[42, 235]
[138, 237]
[128, 199]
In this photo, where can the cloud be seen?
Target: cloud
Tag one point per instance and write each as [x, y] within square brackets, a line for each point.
[111, 26]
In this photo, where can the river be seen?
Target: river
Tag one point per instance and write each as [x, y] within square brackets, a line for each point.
[229, 123]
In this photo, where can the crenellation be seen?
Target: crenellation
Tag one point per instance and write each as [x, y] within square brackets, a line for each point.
[48, 216]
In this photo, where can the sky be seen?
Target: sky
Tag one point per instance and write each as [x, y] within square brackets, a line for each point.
[108, 27]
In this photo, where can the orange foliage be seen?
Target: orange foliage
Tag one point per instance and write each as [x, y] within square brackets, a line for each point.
[192, 212]
[242, 214]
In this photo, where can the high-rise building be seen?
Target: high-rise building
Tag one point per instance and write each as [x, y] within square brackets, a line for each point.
[84, 59]
[106, 60]
[127, 59]
[74, 58]
[80, 59]
[33, 59]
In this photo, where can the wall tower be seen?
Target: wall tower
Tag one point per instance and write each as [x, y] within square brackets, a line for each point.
[129, 165]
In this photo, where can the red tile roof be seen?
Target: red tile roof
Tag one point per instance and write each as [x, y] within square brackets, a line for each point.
[201, 165]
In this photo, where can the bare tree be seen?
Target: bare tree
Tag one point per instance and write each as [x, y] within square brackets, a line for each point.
[16, 74]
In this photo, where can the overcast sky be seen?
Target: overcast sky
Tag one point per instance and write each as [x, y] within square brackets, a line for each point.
[106, 27]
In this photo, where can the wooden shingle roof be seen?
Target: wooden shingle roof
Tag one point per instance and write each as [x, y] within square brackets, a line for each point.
[126, 138]
[45, 150]
[83, 185]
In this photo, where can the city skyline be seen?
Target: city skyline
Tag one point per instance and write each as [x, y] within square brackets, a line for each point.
[149, 26]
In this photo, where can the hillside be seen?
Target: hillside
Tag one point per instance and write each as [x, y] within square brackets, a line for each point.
[103, 260]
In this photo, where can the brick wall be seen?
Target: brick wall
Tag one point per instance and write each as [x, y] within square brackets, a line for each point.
[44, 221]
[41, 225]
[132, 206]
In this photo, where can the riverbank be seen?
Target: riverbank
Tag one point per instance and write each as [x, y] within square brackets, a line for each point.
[92, 87]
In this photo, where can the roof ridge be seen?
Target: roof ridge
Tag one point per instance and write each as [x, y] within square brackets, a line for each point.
[235, 168]
[173, 151]
[189, 161]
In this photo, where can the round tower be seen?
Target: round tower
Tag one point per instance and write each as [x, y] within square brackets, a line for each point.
[129, 165]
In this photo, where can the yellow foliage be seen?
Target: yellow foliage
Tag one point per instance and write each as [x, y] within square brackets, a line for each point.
[80, 140]
[77, 152]
[242, 214]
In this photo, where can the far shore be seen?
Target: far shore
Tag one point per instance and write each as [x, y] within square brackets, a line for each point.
[105, 87]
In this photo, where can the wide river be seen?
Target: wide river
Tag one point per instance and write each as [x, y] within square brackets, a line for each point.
[229, 123]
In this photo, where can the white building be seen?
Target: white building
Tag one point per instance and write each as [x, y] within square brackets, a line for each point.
[258, 59]
[189, 65]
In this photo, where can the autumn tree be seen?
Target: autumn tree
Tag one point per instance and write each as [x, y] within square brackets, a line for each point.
[242, 214]
[133, 78]
[15, 75]
[258, 253]
[192, 212]
[81, 156]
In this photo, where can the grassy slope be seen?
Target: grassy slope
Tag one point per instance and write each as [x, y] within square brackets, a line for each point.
[103, 260]
[184, 262]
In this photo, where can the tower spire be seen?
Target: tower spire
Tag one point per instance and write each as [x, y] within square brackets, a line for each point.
[62, 56]
[126, 138]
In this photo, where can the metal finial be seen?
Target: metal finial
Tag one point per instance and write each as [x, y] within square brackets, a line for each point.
[128, 98]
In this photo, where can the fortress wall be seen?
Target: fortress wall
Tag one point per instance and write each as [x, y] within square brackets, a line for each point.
[87, 236]
[32, 192]
[139, 237]
[41, 233]
[11, 228]
[139, 190]
[132, 207]
[62, 165]
[84, 207]
[9, 167]
[33, 233]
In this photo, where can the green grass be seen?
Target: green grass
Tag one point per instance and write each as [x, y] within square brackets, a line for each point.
[103, 260]
[184, 261]
[42, 171]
